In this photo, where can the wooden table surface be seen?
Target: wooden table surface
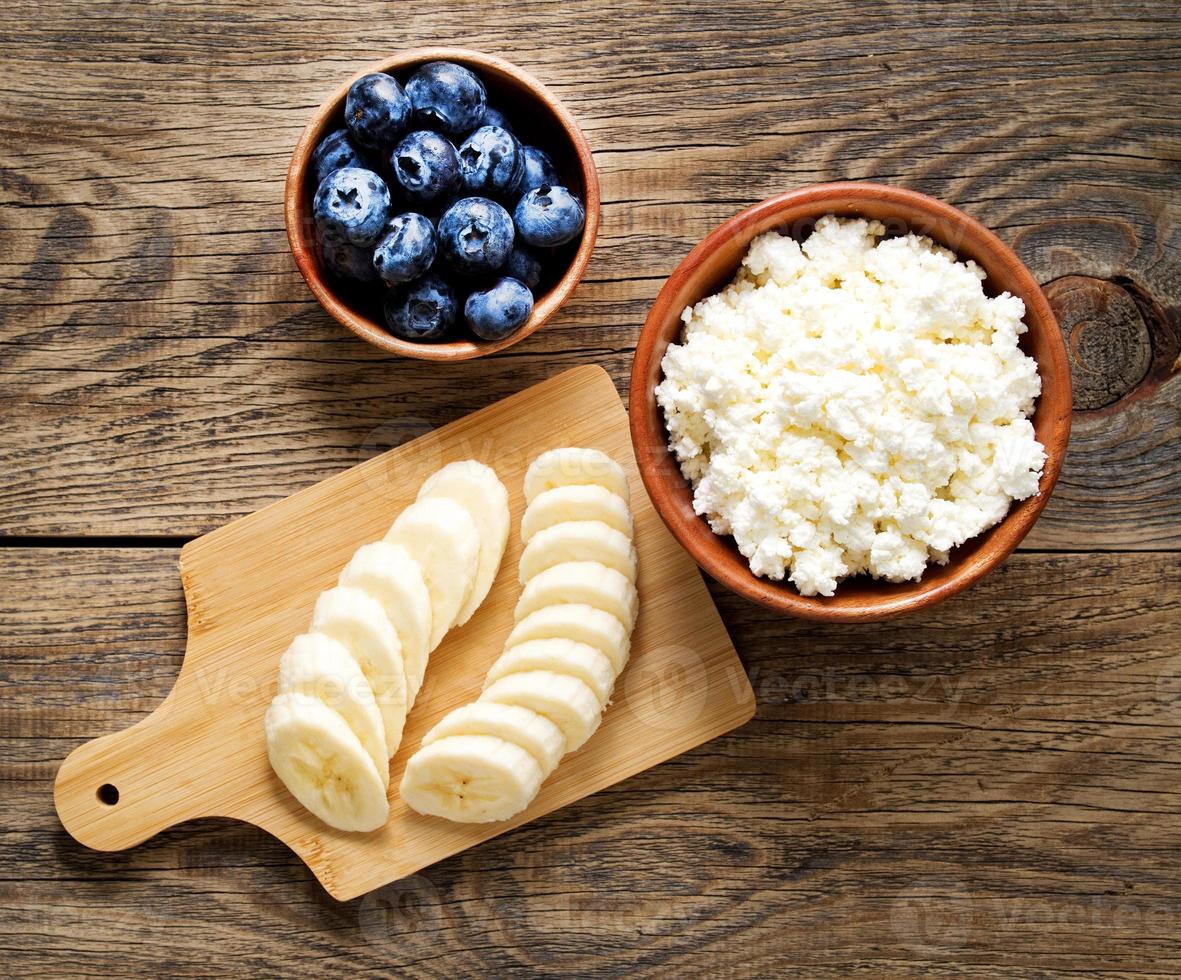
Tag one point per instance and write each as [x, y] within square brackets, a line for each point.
[991, 787]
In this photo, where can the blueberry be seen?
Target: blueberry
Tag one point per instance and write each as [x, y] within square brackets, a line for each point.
[447, 97]
[407, 250]
[336, 150]
[376, 110]
[476, 235]
[491, 161]
[347, 261]
[539, 170]
[496, 312]
[523, 264]
[421, 310]
[425, 165]
[494, 117]
[352, 205]
[548, 215]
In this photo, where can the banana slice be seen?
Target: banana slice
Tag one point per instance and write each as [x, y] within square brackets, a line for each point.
[578, 541]
[356, 621]
[573, 467]
[575, 621]
[588, 582]
[546, 693]
[536, 734]
[575, 503]
[441, 536]
[323, 764]
[476, 488]
[387, 573]
[564, 700]
[322, 668]
[562, 657]
[470, 779]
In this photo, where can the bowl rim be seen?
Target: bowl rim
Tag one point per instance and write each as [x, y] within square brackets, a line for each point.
[303, 247]
[649, 434]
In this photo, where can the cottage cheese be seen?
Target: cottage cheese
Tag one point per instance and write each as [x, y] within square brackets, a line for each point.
[854, 404]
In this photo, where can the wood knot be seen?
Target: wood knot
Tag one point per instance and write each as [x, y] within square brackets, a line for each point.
[1107, 336]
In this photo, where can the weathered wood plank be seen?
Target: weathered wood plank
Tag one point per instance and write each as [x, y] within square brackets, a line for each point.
[164, 369]
[989, 786]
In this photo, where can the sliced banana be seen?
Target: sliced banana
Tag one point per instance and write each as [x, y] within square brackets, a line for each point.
[546, 693]
[575, 621]
[573, 467]
[322, 668]
[441, 536]
[564, 700]
[578, 541]
[588, 582]
[356, 620]
[576, 503]
[562, 657]
[535, 733]
[323, 764]
[477, 489]
[471, 779]
[345, 686]
[387, 573]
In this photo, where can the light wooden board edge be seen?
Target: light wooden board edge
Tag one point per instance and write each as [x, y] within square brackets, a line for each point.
[709, 691]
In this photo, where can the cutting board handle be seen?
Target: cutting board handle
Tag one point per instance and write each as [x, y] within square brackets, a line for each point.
[116, 791]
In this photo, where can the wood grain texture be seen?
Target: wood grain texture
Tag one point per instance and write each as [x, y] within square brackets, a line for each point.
[988, 789]
[202, 752]
[148, 291]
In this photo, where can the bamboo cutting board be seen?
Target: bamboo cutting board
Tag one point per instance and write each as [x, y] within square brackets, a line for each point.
[250, 587]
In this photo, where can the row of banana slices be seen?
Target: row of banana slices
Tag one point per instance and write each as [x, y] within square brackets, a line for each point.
[346, 686]
[546, 694]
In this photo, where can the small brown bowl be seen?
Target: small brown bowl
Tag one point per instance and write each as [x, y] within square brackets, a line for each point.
[713, 263]
[538, 119]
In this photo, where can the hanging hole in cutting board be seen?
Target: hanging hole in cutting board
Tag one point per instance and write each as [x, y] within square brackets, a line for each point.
[108, 794]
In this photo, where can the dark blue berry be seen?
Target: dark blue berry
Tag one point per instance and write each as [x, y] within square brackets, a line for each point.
[496, 312]
[351, 205]
[376, 110]
[523, 264]
[548, 215]
[491, 161]
[425, 165]
[494, 117]
[407, 250]
[476, 235]
[539, 170]
[447, 97]
[347, 261]
[421, 310]
[336, 150]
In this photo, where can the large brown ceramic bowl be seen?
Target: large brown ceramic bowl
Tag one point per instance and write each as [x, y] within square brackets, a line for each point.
[538, 119]
[711, 265]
